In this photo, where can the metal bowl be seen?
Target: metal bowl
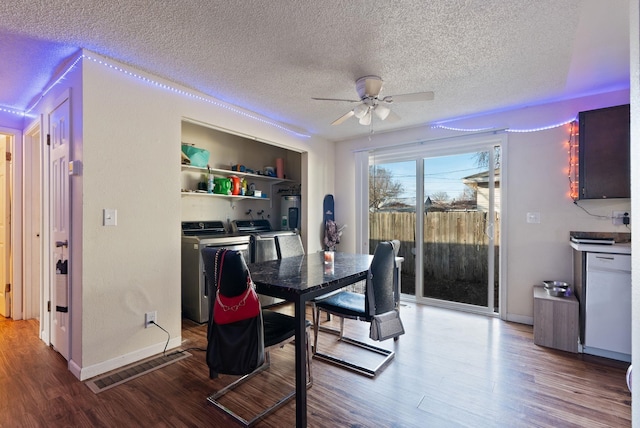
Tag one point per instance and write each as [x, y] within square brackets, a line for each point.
[556, 288]
[550, 284]
[556, 291]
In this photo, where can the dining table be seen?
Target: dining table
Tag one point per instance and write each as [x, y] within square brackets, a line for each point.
[299, 279]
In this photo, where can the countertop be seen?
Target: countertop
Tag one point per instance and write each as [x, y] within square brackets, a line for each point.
[622, 243]
[617, 248]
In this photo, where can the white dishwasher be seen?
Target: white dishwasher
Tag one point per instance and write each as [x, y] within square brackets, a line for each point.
[608, 305]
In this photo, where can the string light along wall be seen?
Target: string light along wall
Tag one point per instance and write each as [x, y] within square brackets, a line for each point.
[572, 155]
[572, 148]
[157, 84]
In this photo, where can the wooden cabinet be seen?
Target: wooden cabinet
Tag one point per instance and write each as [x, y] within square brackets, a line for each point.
[555, 321]
[604, 153]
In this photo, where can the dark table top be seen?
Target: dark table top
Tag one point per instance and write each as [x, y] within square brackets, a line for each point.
[306, 277]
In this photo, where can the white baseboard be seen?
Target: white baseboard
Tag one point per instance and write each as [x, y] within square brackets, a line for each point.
[84, 373]
[75, 369]
[520, 319]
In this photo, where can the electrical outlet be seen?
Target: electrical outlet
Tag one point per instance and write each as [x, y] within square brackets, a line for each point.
[617, 217]
[148, 317]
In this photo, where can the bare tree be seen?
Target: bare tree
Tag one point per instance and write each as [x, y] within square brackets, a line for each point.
[439, 197]
[467, 194]
[482, 158]
[382, 186]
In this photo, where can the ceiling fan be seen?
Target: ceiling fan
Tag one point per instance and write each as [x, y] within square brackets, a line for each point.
[368, 88]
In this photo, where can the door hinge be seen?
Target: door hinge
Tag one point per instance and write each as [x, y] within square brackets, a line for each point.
[48, 139]
[8, 156]
[49, 306]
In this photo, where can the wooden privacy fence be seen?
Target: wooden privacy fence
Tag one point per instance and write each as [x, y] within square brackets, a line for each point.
[455, 243]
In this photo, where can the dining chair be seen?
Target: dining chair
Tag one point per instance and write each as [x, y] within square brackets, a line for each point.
[277, 329]
[377, 300]
[289, 246]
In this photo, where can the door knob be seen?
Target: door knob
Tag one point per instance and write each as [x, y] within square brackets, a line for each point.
[64, 243]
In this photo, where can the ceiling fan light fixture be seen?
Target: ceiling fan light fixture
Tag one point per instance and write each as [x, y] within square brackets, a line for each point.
[368, 88]
[366, 119]
[361, 110]
[382, 111]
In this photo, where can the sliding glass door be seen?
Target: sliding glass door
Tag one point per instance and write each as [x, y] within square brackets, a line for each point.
[460, 227]
[443, 204]
[392, 213]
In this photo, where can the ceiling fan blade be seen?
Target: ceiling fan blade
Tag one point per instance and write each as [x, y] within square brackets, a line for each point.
[418, 96]
[336, 99]
[342, 118]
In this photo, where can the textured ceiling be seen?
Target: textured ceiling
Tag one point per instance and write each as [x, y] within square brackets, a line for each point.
[272, 57]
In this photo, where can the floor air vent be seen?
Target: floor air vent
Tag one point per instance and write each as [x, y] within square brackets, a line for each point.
[122, 375]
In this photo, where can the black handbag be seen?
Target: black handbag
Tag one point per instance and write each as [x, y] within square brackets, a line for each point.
[235, 348]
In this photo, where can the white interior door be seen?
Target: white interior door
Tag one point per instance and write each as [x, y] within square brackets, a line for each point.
[5, 232]
[59, 192]
[33, 222]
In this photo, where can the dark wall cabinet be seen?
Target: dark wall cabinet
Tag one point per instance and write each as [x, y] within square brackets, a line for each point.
[604, 153]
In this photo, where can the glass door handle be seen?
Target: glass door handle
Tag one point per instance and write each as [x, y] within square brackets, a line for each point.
[489, 231]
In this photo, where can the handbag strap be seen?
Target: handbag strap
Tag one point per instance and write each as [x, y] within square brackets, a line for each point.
[219, 272]
[237, 306]
[250, 284]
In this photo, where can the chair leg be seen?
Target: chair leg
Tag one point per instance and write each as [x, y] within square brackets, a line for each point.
[309, 358]
[267, 362]
[389, 355]
[313, 313]
[316, 326]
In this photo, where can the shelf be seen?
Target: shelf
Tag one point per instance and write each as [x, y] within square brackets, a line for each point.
[228, 172]
[218, 195]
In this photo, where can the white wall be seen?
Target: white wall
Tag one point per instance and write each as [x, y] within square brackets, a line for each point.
[127, 134]
[535, 172]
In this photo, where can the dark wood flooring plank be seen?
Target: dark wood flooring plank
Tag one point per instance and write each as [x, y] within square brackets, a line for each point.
[451, 369]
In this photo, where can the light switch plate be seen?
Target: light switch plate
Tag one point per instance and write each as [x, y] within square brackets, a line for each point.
[533, 217]
[109, 217]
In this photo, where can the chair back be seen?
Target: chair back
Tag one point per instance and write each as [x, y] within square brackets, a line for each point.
[379, 291]
[396, 247]
[264, 249]
[233, 278]
[289, 246]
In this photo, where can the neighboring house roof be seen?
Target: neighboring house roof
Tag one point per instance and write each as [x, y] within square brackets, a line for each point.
[481, 179]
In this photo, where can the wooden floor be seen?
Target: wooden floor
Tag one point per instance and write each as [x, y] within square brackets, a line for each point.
[451, 370]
